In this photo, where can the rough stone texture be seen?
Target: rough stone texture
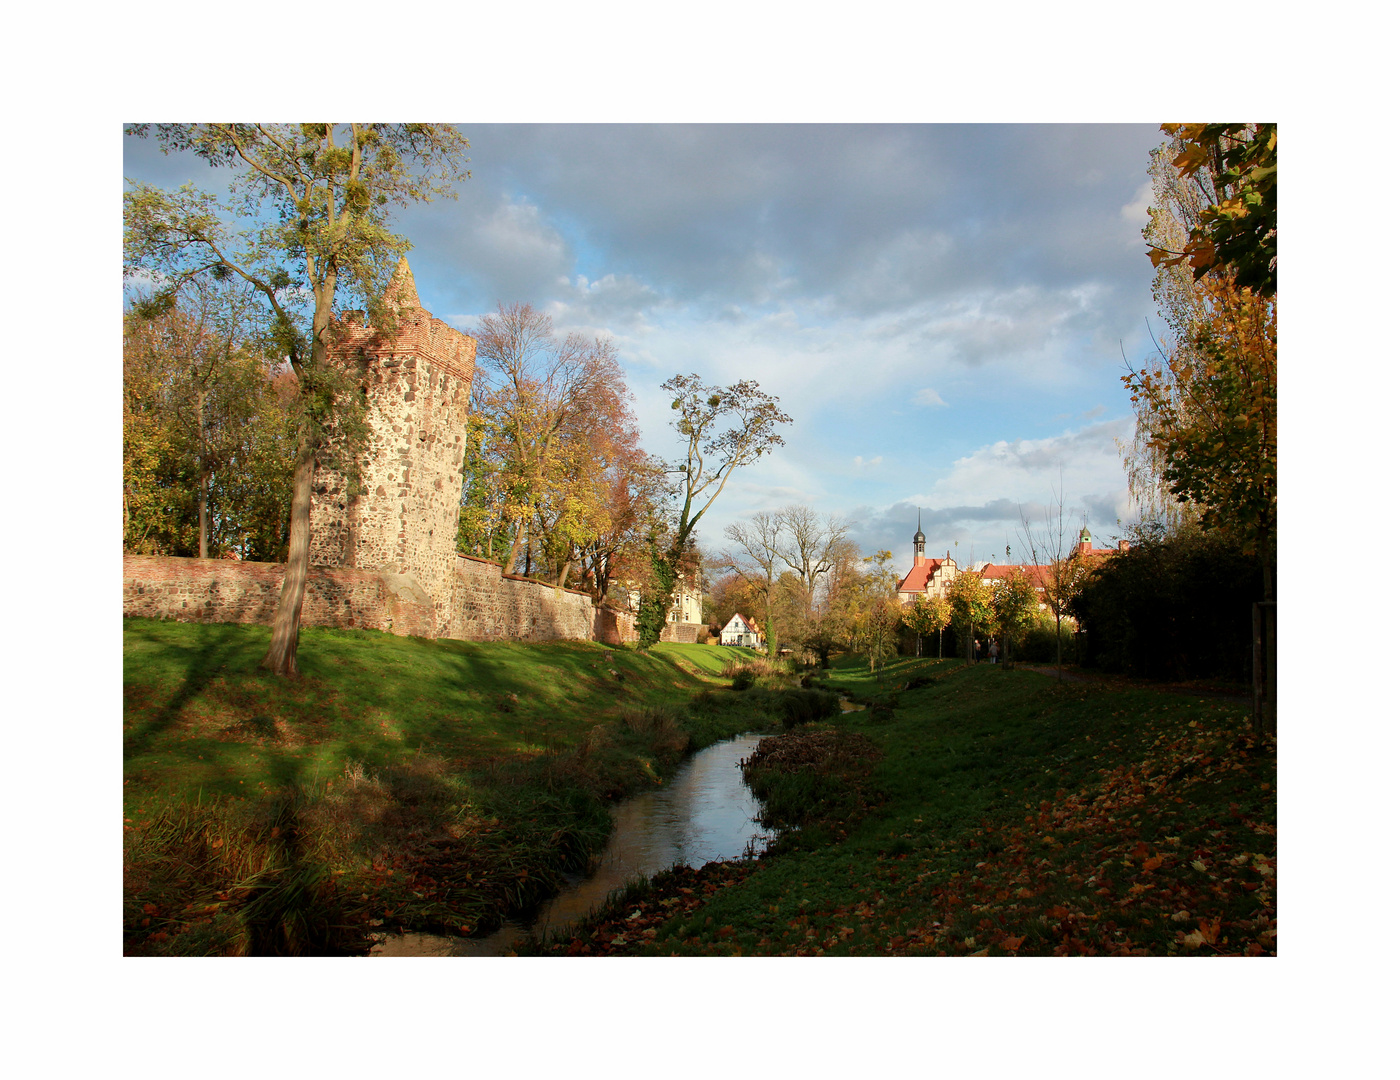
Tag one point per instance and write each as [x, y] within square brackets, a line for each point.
[613, 627]
[685, 633]
[486, 605]
[489, 605]
[417, 380]
[218, 590]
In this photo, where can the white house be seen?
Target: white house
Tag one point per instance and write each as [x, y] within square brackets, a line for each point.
[740, 631]
[686, 601]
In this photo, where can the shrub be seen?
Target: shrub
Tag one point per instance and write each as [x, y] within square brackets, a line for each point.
[1173, 607]
[1037, 643]
[757, 670]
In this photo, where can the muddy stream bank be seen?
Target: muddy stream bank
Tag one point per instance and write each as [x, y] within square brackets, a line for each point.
[705, 814]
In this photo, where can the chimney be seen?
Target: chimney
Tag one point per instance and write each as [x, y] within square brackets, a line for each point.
[1122, 545]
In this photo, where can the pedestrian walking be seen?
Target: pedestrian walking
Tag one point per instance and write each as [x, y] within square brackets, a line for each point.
[992, 650]
[976, 651]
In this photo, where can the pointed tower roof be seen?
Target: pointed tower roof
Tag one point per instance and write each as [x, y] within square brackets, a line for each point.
[919, 536]
[402, 292]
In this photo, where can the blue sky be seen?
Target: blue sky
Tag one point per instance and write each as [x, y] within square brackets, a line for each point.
[943, 309]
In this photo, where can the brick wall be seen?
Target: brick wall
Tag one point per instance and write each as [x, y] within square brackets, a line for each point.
[219, 590]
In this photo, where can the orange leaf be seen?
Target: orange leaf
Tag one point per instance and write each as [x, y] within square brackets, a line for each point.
[1011, 944]
[1152, 863]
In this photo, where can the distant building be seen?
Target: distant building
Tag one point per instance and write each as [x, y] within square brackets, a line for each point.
[933, 577]
[685, 601]
[742, 632]
[929, 577]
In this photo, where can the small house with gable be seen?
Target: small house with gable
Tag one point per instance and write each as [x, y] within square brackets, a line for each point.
[742, 632]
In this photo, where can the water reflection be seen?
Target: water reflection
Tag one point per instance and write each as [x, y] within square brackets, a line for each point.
[706, 813]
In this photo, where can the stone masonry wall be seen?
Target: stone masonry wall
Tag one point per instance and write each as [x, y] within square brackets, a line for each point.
[490, 605]
[487, 605]
[614, 627]
[219, 590]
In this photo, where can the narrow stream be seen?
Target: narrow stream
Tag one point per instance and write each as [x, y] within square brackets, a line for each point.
[705, 814]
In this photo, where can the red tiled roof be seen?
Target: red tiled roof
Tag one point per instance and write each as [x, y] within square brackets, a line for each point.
[917, 578]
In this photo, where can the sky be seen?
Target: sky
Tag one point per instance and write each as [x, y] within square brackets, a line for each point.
[944, 310]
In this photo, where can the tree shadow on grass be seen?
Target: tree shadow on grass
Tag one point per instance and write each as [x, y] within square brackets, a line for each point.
[216, 650]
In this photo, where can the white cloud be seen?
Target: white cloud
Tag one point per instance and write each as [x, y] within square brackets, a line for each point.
[929, 396]
[1135, 213]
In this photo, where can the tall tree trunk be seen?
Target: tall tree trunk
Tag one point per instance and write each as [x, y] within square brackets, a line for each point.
[281, 656]
[203, 477]
[509, 565]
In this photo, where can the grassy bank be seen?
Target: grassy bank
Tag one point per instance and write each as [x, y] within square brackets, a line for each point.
[981, 811]
[398, 783]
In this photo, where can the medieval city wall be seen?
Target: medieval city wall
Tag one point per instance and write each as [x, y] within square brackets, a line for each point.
[490, 605]
[487, 604]
[219, 590]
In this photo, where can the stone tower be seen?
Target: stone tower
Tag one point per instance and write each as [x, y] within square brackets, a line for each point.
[417, 379]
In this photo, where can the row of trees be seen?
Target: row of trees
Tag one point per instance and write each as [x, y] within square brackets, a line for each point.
[805, 579]
[557, 484]
[209, 429]
[1205, 455]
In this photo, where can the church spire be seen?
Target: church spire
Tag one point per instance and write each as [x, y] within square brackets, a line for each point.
[919, 540]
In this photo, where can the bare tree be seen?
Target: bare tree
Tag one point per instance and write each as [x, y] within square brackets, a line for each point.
[1060, 571]
[808, 544]
[756, 562]
[710, 459]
